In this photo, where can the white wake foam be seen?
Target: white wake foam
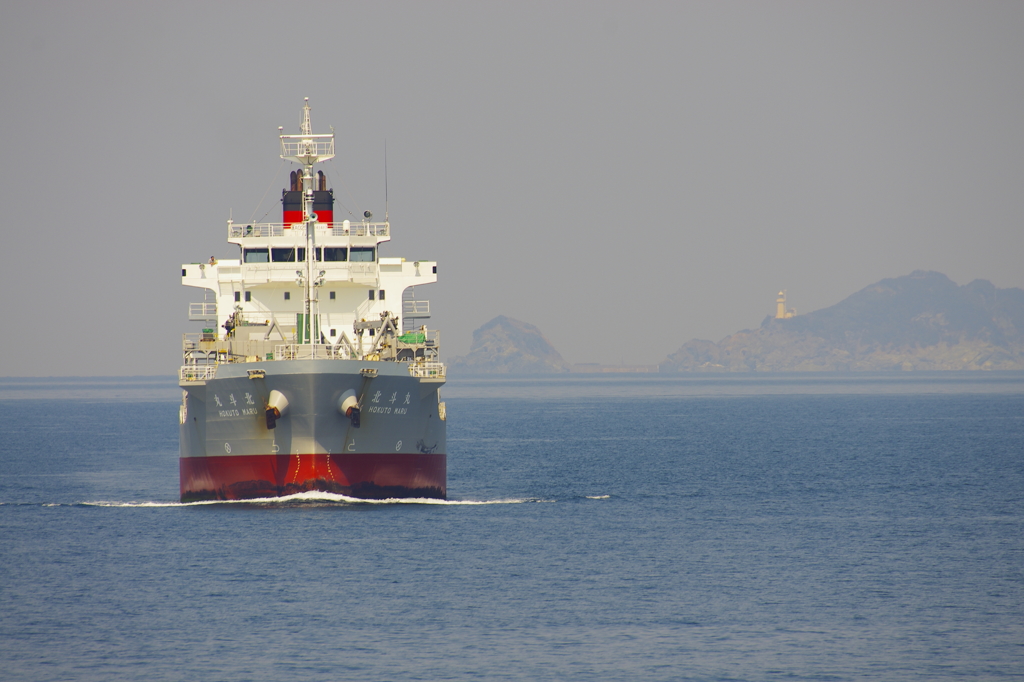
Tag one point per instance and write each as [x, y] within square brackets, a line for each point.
[313, 497]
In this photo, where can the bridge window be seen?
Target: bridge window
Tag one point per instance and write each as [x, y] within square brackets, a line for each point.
[257, 256]
[336, 254]
[363, 254]
[283, 255]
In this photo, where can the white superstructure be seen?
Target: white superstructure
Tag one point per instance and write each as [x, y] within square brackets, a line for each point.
[310, 286]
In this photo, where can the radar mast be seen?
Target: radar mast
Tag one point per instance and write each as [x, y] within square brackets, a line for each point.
[308, 149]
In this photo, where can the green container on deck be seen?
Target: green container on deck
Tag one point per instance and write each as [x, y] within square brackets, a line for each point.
[413, 337]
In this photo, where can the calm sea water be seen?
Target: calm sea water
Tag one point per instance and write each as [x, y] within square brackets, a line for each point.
[622, 528]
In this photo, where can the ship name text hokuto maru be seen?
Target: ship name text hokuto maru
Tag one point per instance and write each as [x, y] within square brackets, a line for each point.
[316, 371]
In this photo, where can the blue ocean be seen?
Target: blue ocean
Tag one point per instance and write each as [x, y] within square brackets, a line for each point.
[599, 527]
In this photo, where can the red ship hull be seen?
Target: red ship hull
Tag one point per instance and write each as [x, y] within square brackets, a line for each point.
[367, 476]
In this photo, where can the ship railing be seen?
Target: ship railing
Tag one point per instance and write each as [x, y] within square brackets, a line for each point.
[414, 308]
[428, 370]
[205, 340]
[202, 312]
[197, 372]
[343, 228]
[307, 351]
[255, 319]
[347, 229]
[260, 273]
[319, 146]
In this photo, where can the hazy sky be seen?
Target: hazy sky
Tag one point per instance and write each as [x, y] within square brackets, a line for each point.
[625, 176]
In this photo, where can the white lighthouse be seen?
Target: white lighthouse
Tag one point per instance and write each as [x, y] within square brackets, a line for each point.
[781, 313]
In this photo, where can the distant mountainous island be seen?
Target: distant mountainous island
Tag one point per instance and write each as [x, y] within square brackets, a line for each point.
[508, 346]
[921, 321]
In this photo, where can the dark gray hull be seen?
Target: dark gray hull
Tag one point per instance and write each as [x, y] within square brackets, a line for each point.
[396, 450]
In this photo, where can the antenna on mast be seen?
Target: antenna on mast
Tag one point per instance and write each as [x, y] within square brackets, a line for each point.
[306, 128]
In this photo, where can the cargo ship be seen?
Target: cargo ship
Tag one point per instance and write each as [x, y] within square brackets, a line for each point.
[314, 369]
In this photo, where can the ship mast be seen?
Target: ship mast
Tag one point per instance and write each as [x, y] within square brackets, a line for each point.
[308, 149]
